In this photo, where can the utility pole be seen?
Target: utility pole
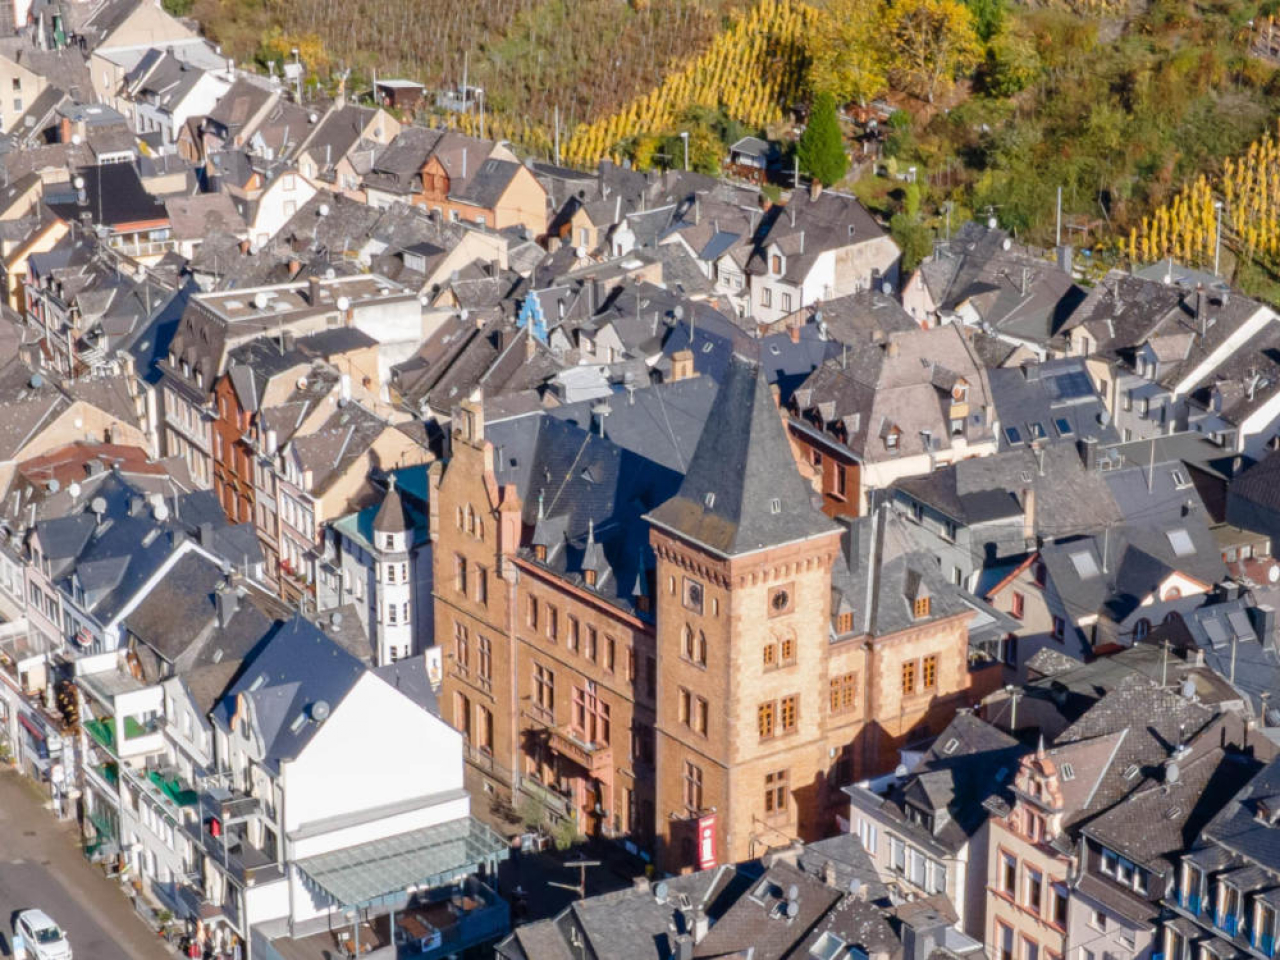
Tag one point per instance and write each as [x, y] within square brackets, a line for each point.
[1217, 246]
[580, 888]
[1059, 243]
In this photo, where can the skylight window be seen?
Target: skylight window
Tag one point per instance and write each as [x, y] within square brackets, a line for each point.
[258, 681]
[1085, 563]
[1063, 426]
[951, 746]
[1180, 540]
[1179, 478]
[1013, 435]
[1036, 430]
[1068, 772]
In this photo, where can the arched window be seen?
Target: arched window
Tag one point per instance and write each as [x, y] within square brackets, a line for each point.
[471, 521]
[459, 518]
[1141, 629]
[480, 528]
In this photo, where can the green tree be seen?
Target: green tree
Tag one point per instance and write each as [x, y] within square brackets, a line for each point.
[913, 239]
[821, 146]
[1011, 65]
[988, 17]
[846, 57]
[930, 42]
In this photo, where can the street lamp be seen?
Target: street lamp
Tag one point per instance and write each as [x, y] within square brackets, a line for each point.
[1217, 246]
[684, 135]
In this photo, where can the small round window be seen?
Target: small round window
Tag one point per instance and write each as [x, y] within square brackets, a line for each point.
[781, 600]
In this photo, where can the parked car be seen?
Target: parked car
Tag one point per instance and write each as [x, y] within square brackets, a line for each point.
[44, 939]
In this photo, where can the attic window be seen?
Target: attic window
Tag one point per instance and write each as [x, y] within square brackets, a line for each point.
[590, 577]
[540, 551]
[706, 347]
[775, 505]
[844, 623]
[258, 681]
[298, 721]
[921, 608]
[710, 499]
[1036, 430]
[1063, 426]
[1131, 772]
[1068, 772]
[1013, 435]
[1179, 478]
[951, 746]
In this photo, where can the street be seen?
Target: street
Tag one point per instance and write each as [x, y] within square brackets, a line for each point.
[41, 866]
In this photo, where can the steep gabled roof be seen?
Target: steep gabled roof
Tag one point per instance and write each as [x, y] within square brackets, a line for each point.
[743, 491]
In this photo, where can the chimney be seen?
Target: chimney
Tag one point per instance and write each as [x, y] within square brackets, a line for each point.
[891, 348]
[682, 947]
[1031, 370]
[1263, 620]
[228, 602]
[795, 332]
[922, 934]
[682, 365]
[1065, 259]
[1028, 513]
[313, 291]
[205, 534]
[1088, 447]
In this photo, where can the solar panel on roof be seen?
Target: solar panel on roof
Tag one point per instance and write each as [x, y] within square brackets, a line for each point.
[1216, 631]
[1240, 623]
[1071, 386]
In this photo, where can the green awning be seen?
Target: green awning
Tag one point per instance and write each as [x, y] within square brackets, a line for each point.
[430, 856]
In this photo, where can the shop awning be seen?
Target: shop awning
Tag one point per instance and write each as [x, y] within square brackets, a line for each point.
[427, 857]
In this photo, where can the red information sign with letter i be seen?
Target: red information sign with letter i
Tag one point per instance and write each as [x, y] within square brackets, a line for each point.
[707, 842]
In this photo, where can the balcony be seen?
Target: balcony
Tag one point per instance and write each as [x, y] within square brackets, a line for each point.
[172, 788]
[104, 732]
[554, 801]
[594, 758]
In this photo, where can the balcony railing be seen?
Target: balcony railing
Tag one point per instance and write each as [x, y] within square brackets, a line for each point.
[172, 788]
[104, 732]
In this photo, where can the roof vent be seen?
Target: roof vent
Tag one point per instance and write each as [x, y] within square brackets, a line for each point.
[320, 711]
[660, 892]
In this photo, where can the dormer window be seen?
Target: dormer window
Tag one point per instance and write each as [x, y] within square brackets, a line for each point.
[590, 577]
[920, 608]
[540, 551]
[960, 392]
[776, 264]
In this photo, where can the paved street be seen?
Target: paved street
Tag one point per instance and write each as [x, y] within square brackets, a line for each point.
[41, 866]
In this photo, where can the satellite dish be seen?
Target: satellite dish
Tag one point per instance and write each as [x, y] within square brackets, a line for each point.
[36, 381]
[793, 892]
[1171, 773]
[1006, 243]
[320, 711]
[98, 505]
[660, 891]
[678, 313]
[312, 117]
[74, 490]
[344, 303]
[1273, 573]
[79, 422]
[886, 288]
[580, 252]
[76, 140]
[991, 223]
[78, 182]
[901, 771]
[1104, 417]
[160, 512]
[335, 619]
[54, 485]
[1188, 689]
[324, 210]
[302, 383]
[793, 909]
[260, 300]
[330, 273]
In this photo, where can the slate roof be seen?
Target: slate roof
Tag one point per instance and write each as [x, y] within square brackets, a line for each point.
[742, 491]
[904, 383]
[955, 778]
[114, 196]
[1237, 828]
[297, 668]
[828, 222]
[194, 218]
[1068, 498]
[1055, 400]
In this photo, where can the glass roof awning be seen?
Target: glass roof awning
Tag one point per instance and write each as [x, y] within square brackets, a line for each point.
[430, 856]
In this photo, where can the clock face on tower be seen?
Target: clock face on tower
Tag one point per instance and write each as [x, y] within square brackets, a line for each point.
[780, 600]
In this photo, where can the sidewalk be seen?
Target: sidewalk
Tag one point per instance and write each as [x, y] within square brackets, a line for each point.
[41, 858]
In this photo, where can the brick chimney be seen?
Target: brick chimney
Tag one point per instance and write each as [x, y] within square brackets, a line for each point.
[682, 365]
